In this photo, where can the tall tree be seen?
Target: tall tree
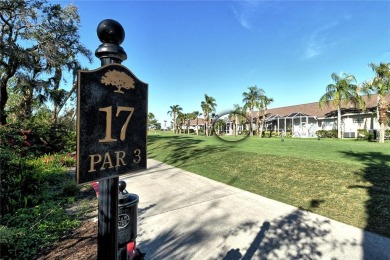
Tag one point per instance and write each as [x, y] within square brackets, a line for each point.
[173, 112]
[32, 92]
[259, 107]
[343, 91]
[205, 109]
[251, 100]
[234, 116]
[196, 115]
[380, 85]
[181, 121]
[264, 101]
[73, 68]
[208, 106]
[152, 121]
[37, 37]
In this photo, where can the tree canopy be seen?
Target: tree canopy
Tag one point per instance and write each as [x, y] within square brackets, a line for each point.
[251, 99]
[380, 85]
[38, 42]
[344, 90]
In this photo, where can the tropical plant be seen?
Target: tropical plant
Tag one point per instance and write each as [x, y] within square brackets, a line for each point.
[38, 41]
[380, 85]
[264, 101]
[344, 90]
[234, 117]
[189, 117]
[251, 100]
[152, 121]
[208, 106]
[196, 115]
[175, 109]
[181, 121]
[219, 125]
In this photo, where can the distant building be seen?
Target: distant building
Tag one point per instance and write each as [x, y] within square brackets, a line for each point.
[306, 119]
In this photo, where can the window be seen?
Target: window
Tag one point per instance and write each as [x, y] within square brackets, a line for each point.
[358, 120]
[327, 123]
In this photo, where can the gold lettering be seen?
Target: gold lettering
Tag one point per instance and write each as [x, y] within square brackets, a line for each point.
[120, 155]
[137, 154]
[123, 130]
[108, 137]
[107, 160]
[108, 110]
[93, 162]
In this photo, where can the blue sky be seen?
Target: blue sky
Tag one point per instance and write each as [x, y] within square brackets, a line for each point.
[185, 49]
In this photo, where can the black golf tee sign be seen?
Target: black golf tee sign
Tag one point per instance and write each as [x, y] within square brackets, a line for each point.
[112, 123]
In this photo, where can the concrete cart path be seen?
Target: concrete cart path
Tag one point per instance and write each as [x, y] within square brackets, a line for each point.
[186, 216]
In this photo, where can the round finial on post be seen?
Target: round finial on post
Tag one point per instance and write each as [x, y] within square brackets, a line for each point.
[111, 34]
[110, 31]
[122, 186]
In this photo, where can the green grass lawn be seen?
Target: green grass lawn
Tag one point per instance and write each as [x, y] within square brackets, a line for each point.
[346, 180]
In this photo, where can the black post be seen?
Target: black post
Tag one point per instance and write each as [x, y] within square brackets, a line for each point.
[111, 34]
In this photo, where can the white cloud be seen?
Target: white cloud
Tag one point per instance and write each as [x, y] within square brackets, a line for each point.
[318, 41]
[246, 11]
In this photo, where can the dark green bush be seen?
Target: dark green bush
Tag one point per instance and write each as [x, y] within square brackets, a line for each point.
[33, 195]
[26, 170]
[29, 230]
[30, 139]
[70, 188]
[327, 133]
[26, 182]
[34, 186]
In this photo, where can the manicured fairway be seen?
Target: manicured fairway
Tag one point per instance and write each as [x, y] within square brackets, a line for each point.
[346, 180]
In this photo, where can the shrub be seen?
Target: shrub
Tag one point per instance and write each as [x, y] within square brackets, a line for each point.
[32, 229]
[387, 134]
[270, 134]
[70, 188]
[362, 133]
[244, 132]
[26, 182]
[34, 186]
[33, 194]
[29, 139]
[327, 133]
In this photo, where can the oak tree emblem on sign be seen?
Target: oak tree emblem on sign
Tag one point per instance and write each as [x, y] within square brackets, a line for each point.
[118, 79]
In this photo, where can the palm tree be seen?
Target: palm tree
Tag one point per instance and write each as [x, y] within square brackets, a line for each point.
[259, 107]
[181, 118]
[175, 109]
[380, 85]
[343, 91]
[251, 100]
[208, 106]
[188, 117]
[265, 101]
[234, 116]
[205, 109]
[196, 115]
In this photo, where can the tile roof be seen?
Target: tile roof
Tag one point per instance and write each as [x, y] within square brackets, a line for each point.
[312, 109]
